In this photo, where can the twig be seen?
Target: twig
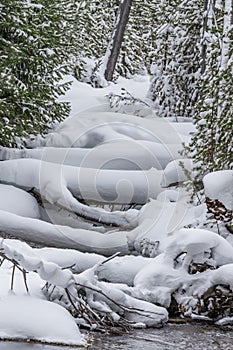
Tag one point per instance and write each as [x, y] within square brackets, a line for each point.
[110, 258]
[68, 267]
[125, 308]
[25, 280]
[2, 261]
[12, 277]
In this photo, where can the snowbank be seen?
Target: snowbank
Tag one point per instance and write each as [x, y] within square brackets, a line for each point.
[28, 318]
[17, 201]
[219, 185]
[102, 167]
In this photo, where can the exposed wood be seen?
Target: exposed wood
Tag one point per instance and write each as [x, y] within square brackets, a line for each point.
[117, 37]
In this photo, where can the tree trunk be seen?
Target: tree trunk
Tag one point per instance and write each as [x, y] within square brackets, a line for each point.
[204, 29]
[117, 37]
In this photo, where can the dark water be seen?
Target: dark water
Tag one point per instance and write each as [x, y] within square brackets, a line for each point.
[188, 336]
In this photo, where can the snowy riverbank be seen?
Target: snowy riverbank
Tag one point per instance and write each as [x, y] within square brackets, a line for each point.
[104, 195]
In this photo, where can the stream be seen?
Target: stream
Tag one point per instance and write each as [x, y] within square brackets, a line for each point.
[184, 336]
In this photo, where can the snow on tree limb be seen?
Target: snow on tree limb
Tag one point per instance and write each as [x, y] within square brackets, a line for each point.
[100, 297]
[42, 232]
[54, 183]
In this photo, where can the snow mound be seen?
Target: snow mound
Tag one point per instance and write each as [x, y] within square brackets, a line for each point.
[199, 241]
[17, 201]
[158, 280]
[177, 170]
[93, 127]
[40, 320]
[219, 185]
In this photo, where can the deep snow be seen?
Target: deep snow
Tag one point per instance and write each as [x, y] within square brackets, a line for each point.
[108, 160]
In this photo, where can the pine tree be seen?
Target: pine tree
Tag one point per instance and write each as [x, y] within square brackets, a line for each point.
[96, 21]
[212, 144]
[36, 42]
[96, 26]
[138, 39]
[176, 57]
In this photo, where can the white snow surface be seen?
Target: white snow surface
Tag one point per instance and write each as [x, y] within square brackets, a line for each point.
[17, 201]
[159, 279]
[150, 315]
[116, 158]
[93, 127]
[82, 96]
[25, 317]
[219, 185]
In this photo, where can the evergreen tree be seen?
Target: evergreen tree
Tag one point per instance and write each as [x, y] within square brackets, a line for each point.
[96, 26]
[193, 67]
[96, 22]
[36, 42]
[212, 144]
[176, 57]
[139, 39]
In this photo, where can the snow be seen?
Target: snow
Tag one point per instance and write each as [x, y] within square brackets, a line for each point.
[34, 319]
[118, 270]
[45, 233]
[158, 221]
[124, 154]
[159, 279]
[106, 181]
[53, 182]
[18, 202]
[197, 241]
[93, 97]
[95, 126]
[225, 321]
[219, 185]
[223, 275]
[177, 170]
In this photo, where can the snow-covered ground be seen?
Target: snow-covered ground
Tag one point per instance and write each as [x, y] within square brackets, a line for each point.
[83, 96]
[35, 319]
[105, 183]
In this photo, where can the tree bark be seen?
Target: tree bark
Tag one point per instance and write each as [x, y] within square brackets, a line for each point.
[117, 37]
[204, 46]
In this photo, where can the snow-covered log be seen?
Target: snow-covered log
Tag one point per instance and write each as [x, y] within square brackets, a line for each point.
[100, 296]
[155, 224]
[58, 185]
[92, 127]
[37, 231]
[120, 155]
[121, 269]
[55, 184]
[196, 244]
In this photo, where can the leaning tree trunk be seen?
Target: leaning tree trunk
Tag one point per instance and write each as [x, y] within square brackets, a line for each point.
[204, 45]
[117, 37]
